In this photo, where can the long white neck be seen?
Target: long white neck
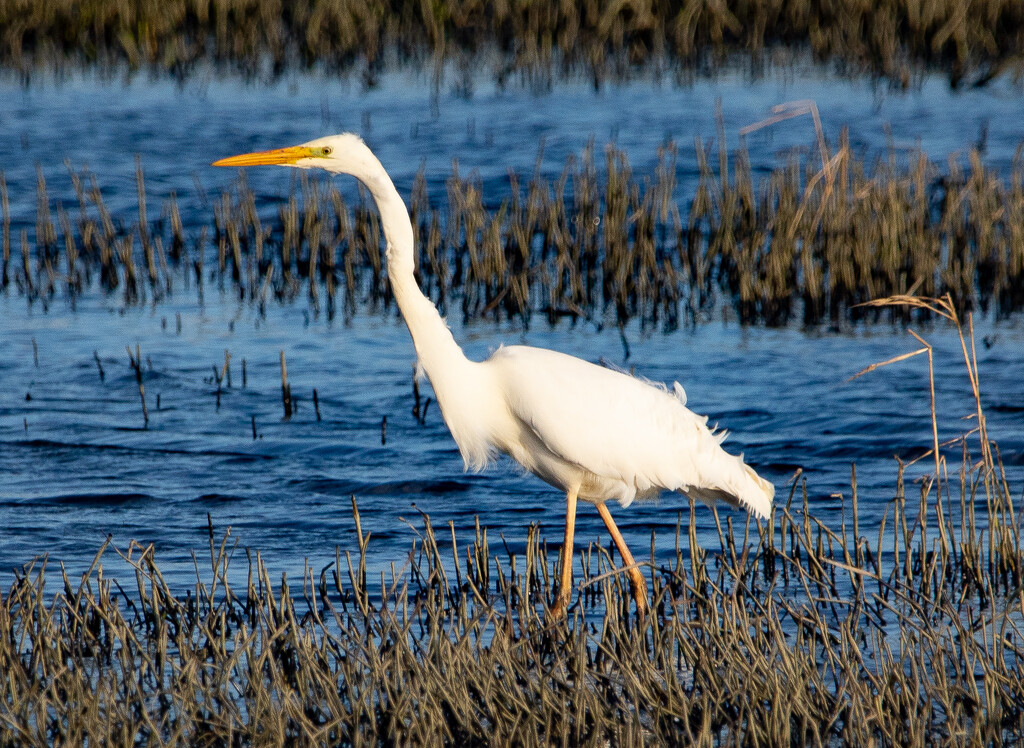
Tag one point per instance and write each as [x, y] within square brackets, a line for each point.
[456, 380]
[435, 346]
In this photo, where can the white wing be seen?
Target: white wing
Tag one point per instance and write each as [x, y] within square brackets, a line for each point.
[621, 428]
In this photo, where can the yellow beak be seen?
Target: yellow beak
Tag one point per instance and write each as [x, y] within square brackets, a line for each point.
[279, 156]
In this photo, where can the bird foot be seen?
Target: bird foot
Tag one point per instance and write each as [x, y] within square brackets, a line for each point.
[561, 605]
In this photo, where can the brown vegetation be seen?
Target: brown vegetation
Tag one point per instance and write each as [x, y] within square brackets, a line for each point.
[790, 632]
[970, 41]
[807, 242]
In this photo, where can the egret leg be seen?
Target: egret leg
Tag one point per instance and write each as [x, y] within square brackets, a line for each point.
[636, 578]
[565, 557]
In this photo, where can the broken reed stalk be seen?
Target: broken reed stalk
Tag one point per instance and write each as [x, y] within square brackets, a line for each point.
[217, 379]
[136, 364]
[286, 390]
[946, 308]
[26, 268]
[144, 237]
[415, 395]
[225, 372]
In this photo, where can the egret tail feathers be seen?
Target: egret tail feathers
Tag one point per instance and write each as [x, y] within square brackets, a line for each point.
[744, 489]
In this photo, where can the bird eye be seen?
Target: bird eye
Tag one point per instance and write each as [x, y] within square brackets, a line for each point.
[326, 151]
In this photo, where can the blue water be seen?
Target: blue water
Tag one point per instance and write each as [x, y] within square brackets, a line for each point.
[76, 463]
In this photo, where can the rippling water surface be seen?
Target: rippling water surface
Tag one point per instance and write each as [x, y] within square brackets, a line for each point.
[76, 463]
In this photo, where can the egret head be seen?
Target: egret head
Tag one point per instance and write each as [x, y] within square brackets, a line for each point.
[341, 154]
[348, 154]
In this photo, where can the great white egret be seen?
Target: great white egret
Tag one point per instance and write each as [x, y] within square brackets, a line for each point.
[595, 433]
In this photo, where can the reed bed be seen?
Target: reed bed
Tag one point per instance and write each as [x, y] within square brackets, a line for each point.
[970, 42]
[786, 632]
[808, 242]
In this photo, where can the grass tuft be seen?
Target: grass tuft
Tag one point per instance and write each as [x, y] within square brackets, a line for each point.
[534, 41]
[787, 632]
[811, 241]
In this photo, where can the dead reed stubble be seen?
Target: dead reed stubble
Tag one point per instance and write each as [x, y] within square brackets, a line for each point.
[971, 42]
[811, 241]
[788, 632]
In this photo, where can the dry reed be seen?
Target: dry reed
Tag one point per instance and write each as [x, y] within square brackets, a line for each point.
[789, 632]
[970, 42]
[810, 241]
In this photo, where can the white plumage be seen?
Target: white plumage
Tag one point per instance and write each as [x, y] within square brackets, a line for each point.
[596, 433]
[619, 437]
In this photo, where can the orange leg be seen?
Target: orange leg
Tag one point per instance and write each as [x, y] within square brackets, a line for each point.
[565, 557]
[636, 578]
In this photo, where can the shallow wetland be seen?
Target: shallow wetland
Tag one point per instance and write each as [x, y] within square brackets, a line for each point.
[269, 573]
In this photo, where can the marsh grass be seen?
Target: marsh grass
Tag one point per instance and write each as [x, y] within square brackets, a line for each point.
[535, 40]
[809, 242]
[786, 632]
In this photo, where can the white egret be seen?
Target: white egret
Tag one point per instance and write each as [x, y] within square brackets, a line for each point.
[595, 433]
